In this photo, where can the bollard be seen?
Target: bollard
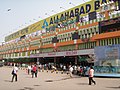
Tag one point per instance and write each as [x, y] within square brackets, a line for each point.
[67, 72]
[56, 71]
[26, 70]
[51, 71]
[62, 72]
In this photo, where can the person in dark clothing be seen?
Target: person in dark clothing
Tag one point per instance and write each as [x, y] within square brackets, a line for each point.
[14, 76]
[14, 73]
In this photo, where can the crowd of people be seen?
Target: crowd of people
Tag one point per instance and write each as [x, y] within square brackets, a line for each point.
[70, 70]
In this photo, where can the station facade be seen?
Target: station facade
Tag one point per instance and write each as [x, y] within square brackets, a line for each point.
[88, 34]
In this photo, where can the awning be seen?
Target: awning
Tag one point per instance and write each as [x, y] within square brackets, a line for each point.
[82, 58]
[85, 58]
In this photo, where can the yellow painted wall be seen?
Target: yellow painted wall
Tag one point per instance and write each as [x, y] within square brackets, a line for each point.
[38, 25]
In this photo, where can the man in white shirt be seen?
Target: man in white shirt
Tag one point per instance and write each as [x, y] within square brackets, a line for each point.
[14, 73]
[29, 69]
[91, 75]
[70, 71]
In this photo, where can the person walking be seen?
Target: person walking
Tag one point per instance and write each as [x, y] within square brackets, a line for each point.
[29, 69]
[64, 68]
[14, 73]
[34, 71]
[91, 75]
[70, 71]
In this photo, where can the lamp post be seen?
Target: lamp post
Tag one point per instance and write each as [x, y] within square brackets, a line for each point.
[76, 47]
[55, 48]
[54, 44]
[3, 43]
[62, 8]
[53, 11]
[40, 17]
[84, 0]
[71, 3]
[3, 61]
[47, 14]
[35, 19]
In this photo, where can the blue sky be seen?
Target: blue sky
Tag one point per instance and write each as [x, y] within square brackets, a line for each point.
[26, 12]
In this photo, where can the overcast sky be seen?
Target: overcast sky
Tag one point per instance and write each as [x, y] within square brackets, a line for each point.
[17, 14]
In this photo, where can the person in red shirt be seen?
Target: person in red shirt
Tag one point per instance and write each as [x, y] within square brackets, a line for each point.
[91, 75]
[34, 71]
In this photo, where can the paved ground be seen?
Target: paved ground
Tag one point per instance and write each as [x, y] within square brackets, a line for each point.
[53, 81]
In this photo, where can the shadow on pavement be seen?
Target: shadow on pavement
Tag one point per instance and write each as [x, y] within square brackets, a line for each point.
[28, 77]
[82, 83]
[36, 85]
[49, 81]
[114, 87]
[58, 80]
[66, 78]
[62, 79]
[28, 88]
[7, 80]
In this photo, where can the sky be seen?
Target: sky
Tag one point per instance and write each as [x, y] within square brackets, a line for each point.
[18, 14]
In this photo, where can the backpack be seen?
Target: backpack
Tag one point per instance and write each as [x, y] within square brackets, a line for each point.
[12, 72]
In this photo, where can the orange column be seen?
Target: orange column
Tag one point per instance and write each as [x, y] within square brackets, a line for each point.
[97, 43]
[106, 14]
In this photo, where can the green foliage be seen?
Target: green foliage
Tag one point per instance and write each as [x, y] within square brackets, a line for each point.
[21, 60]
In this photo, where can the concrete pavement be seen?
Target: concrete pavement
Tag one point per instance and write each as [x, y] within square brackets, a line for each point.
[53, 81]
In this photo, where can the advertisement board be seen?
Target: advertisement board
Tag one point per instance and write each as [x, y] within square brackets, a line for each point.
[107, 52]
[80, 10]
[107, 55]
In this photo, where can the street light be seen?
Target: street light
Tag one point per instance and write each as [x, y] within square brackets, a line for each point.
[8, 9]
[47, 14]
[35, 19]
[62, 8]
[3, 43]
[54, 11]
[71, 3]
[84, 0]
[40, 17]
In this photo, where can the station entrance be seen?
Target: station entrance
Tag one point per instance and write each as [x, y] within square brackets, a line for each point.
[82, 60]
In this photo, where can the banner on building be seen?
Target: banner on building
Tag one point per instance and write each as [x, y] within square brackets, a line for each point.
[80, 10]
